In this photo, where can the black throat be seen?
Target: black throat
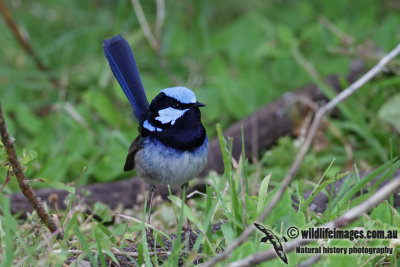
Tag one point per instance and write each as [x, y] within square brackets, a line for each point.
[186, 134]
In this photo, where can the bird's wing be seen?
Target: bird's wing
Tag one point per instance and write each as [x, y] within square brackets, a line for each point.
[136, 145]
[123, 65]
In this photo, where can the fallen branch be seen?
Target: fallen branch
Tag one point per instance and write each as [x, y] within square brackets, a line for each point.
[304, 149]
[255, 126]
[342, 221]
[22, 182]
[258, 136]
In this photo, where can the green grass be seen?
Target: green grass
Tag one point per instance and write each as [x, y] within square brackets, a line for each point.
[237, 56]
[95, 242]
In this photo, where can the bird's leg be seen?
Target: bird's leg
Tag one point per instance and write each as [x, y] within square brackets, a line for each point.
[152, 189]
[185, 188]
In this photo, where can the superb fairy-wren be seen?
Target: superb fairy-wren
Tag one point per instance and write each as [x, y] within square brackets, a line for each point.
[172, 144]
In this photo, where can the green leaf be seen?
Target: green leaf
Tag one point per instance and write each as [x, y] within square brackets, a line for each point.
[28, 157]
[390, 112]
[112, 256]
[103, 211]
[229, 233]
[57, 185]
[262, 193]
[110, 164]
[28, 121]
[319, 188]
[284, 215]
[102, 104]
[347, 196]
[104, 230]
[188, 213]
[84, 244]
[54, 167]
[384, 213]
[285, 35]
[246, 249]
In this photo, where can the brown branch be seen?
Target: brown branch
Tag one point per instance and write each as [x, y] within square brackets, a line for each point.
[7, 180]
[126, 191]
[22, 182]
[258, 136]
[303, 151]
[345, 219]
[24, 42]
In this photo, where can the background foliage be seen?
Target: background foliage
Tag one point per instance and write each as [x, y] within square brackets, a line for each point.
[236, 55]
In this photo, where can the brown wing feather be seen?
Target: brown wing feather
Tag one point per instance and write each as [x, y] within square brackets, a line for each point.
[136, 145]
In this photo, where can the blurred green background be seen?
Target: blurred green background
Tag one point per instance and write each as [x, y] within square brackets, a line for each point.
[236, 55]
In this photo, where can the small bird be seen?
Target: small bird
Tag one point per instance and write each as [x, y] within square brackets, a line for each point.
[172, 145]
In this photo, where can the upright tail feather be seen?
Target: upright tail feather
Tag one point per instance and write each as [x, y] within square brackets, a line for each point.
[123, 65]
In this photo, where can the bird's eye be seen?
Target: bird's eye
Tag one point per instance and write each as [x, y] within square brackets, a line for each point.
[176, 105]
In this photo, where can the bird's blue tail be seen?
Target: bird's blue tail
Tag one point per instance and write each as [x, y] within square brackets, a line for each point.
[123, 65]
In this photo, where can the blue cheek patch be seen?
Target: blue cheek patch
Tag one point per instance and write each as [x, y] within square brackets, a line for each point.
[181, 94]
[170, 115]
[151, 128]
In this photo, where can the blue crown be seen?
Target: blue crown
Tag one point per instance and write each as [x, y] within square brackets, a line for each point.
[181, 94]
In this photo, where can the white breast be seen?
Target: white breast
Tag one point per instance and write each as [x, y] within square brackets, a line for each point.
[165, 165]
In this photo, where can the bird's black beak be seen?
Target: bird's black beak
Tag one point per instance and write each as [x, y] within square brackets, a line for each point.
[198, 105]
